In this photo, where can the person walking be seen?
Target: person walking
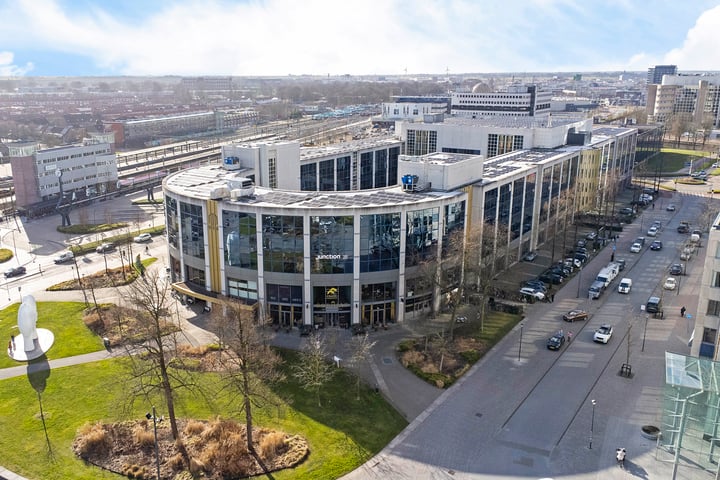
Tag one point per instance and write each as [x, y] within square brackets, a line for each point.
[682, 311]
[569, 336]
[620, 456]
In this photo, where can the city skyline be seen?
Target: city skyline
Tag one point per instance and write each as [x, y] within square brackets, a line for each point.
[280, 37]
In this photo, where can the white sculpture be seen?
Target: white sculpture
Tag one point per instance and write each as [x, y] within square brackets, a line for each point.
[27, 322]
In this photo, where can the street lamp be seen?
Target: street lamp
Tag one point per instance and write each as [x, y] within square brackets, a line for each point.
[592, 422]
[153, 417]
[579, 280]
[520, 345]
[644, 332]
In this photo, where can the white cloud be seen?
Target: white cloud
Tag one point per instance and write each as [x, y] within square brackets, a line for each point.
[699, 50]
[8, 69]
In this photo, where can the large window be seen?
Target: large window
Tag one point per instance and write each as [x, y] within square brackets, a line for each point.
[244, 289]
[422, 234]
[327, 175]
[193, 237]
[394, 154]
[308, 177]
[331, 244]
[713, 308]
[366, 170]
[171, 220]
[421, 142]
[380, 168]
[343, 173]
[379, 242]
[240, 230]
[283, 243]
[499, 144]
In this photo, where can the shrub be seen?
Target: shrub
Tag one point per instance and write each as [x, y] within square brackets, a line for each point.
[194, 427]
[272, 444]
[94, 440]
[143, 437]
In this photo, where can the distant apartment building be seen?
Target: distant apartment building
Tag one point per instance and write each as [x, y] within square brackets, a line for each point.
[208, 84]
[655, 74]
[84, 170]
[696, 96]
[515, 101]
[160, 130]
[415, 107]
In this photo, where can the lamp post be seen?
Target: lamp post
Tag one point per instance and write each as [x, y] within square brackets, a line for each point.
[152, 416]
[592, 422]
[520, 344]
[644, 332]
[579, 280]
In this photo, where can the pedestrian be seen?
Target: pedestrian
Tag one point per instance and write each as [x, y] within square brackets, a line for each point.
[620, 456]
[552, 298]
[569, 336]
[682, 311]
[10, 347]
[653, 205]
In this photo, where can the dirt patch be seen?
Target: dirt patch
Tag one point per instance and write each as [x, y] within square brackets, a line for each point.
[214, 450]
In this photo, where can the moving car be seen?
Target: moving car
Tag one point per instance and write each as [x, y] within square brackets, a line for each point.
[603, 334]
[656, 245]
[105, 247]
[670, 284]
[64, 257]
[653, 305]
[625, 285]
[652, 231]
[556, 341]
[677, 269]
[577, 314]
[142, 238]
[15, 271]
[670, 208]
[684, 227]
[530, 256]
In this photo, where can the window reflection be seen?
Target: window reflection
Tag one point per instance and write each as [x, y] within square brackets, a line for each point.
[379, 242]
[331, 244]
[240, 231]
[193, 237]
[422, 234]
[283, 243]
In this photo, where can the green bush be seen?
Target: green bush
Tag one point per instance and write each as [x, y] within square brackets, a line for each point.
[5, 255]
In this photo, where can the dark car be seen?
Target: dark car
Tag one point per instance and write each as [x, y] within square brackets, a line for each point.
[677, 269]
[582, 257]
[581, 243]
[621, 263]
[530, 256]
[626, 211]
[15, 271]
[556, 341]
[656, 245]
[105, 247]
[577, 314]
[553, 278]
[536, 284]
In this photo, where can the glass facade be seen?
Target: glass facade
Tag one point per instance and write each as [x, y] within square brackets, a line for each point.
[421, 236]
[331, 244]
[283, 243]
[380, 169]
[240, 231]
[308, 177]
[193, 237]
[343, 173]
[366, 170]
[379, 242]
[327, 175]
[243, 289]
[171, 220]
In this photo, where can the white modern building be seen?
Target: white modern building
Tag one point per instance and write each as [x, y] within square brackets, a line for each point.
[697, 96]
[515, 101]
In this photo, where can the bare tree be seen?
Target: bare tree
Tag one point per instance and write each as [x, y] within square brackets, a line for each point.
[360, 347]
[250, 363]
[156, 366]
[313, 370]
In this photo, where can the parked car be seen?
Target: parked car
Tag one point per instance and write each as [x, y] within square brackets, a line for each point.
[684, 227]
[552, 278]
[621, 263]
[15, 271]
[603, 334]
[685, 255]
[556, 341]
[536, 284]
[581, 243]
[577, 263]
[105, 247]
[652, 232]
[591, 236]
[670, 283]
[653, 305]
[677, 269]
[143, 238]
[531, 292]
[64, 257]
[577, 314]
[530, 256]
[626, 211]
[636, 247]
[581, 257]
[670, 208]
[656, 245]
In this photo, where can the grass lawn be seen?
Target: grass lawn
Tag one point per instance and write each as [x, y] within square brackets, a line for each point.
[342, 434]
[64, 319]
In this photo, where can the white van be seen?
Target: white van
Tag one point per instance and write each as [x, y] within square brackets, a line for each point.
[625, 285]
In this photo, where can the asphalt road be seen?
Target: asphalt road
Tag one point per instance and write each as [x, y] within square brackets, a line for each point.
[527, 412]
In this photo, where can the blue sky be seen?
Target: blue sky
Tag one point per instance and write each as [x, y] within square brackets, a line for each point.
[374, 37]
